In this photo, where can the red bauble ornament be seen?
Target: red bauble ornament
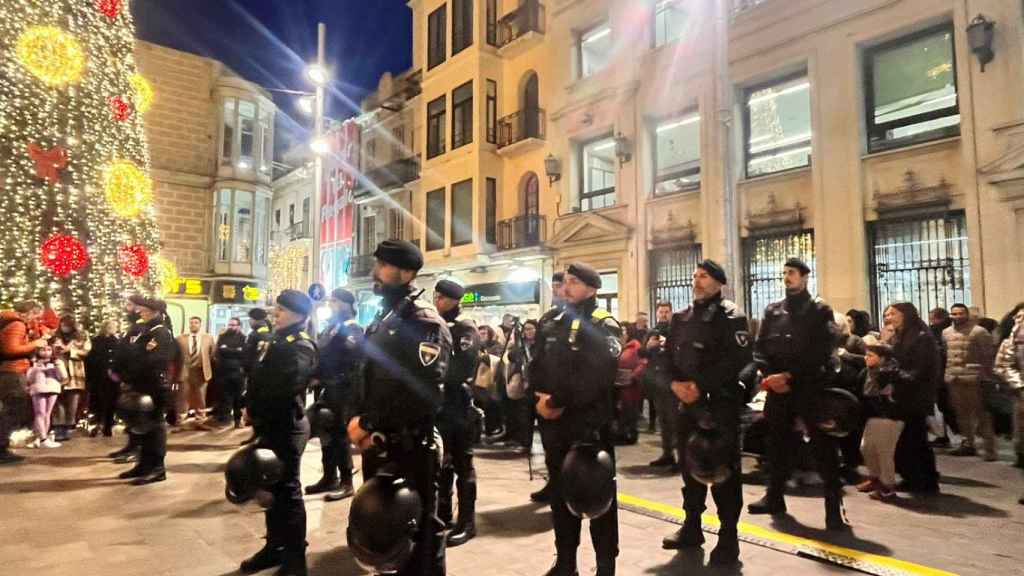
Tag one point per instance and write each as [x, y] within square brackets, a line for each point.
[109, 7]
[63, 254]
[49, 163]
[134, 259]
[120, 109]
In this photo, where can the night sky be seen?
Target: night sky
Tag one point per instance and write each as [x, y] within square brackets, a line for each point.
[270, 41]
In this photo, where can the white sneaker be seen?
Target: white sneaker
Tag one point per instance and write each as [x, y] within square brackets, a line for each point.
[37, 443]
[50, 444]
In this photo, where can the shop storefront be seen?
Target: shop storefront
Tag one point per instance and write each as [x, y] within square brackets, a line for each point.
[487, 303]
[214, 300]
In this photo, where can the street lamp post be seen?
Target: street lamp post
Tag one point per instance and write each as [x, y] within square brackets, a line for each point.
[318, 75]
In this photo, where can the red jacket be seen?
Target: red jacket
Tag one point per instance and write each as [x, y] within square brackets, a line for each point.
[15, 347]
[632, 361]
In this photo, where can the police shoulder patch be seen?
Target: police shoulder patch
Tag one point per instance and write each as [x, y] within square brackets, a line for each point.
[290, 338]
[465, 342]
[429, 352]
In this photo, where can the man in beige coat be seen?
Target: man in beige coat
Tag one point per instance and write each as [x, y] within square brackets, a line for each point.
[197, 349]
[969, 357]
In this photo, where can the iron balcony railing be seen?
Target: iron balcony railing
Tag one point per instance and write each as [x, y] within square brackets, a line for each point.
[298, 231]
[394, 173]
[523, 231]
[529, 17]
[518, 126]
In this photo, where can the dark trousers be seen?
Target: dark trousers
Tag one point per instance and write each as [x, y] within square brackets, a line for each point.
[604, 531]
[153, 444]
[520, 421]
[915, 460]
[781, 410]
[335, 450]
[14, 406]
[107, 392]
[458, 471]
[946, 407]
[728, 495]
[286, 518]
[231, 388]
[667, 409]
[415, 459]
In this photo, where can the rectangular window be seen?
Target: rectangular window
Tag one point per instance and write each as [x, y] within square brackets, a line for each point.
[608, 294]
[396, 223]
[595, 48]
[242, 226]
[436, 127]
[371, 150]
[260, 242]
[291, 214]
[228, 142]
[398, 143]
[492, 111]
[670, 22]
[462, 115]
[435, 219]
[277, 218]
[437, 31]
[777, 123]
[492, 22]
[462, 213]
[247, 124]
[597, 167]
[222, 225]
[677, 154]
[266, 142]
[305, 210]
[462, 25]
[491, 208]
[672, 275]
[911, 90]
[923, 259]
[763, 257]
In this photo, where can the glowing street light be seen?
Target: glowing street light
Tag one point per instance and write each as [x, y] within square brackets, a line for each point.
[317, 74]
[319, 146]
[306, 105]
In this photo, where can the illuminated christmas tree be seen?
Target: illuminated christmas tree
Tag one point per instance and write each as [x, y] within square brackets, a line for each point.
[75, 195]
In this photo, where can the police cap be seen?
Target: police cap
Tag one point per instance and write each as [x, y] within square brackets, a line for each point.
[342, 295]
[558, 277]
[154, 304]
[714, 269]
[586, 274]
[258, 314]
[794, 262]
[295, 301]
[449, 289]
[400, 253]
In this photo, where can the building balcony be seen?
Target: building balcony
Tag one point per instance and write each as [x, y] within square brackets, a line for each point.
[521, 29]
[298, 231]
[391, 175]
[523, 231]
[361, 266]
[521, 131]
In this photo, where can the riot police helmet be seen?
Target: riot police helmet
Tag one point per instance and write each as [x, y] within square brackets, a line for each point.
[321, 419]
[382, 523]
[840, 411]
[250, 474]
[588, 481]
[138, 412]
[708, 454]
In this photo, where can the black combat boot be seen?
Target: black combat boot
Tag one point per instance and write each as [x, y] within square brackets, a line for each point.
[834, 520]
[727, 551]
[563, 566]
[771, 503]
[151, 477]
[326, 484]
[343, 491]
[689, 536]
[268, 557]
[135, 472]
[465, 528]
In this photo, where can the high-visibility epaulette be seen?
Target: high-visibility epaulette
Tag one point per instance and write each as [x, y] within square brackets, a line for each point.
[262, 330]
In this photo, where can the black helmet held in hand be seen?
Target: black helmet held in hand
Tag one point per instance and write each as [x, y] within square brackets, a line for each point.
[588, 481]
[250, 473]
[382, 521]
[138, 412]
[709, 454]
[321, 419]
[840, 411]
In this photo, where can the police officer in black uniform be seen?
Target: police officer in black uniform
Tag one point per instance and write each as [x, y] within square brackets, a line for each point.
[229, 360]
[557, 305]
[142, 364]
[574, 375]
[408, 348]
[276, 397]
[341, 358]
[709, 347]
[128, 454]
[454, 421]
[260, 330]
[793, 352]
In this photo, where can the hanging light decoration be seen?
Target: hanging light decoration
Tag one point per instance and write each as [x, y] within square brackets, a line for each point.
[63, 254]
[143, 93]
[129, 191]
[51, 54]
[119, 108]
[134, 259]
[112, 8]
[167, 273]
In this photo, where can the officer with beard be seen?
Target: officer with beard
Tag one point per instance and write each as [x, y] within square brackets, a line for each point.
[454, 419]
[793, 352]
[229, 358]
[276, 399]
[408, 349]
[341, 358]
[557, 305]
[708, 348]
[142, 363]
[259, 331]
[135, 323]
[574, 374]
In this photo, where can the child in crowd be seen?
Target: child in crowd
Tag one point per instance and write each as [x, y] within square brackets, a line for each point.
[44, 385]
[883, 428]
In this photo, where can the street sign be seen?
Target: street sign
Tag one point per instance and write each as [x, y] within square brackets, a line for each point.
[316, 292]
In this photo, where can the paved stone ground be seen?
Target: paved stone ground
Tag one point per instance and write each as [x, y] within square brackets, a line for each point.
[64, 513]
